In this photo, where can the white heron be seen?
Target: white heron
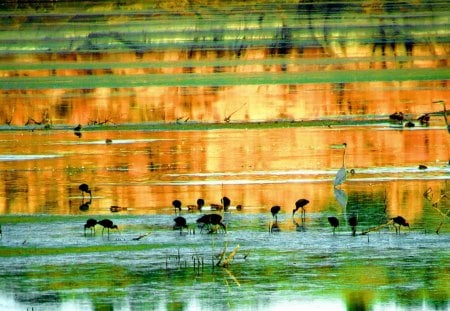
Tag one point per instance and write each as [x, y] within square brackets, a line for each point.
[445, 113]
[341, 175]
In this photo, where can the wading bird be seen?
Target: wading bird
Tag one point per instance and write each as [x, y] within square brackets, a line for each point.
[211, 221]
[424, 119]
[353, 222]
[107, 224]
[85, 188]
[77, 131]
[444, 113]
[398, 222]
[334, 222]
[176, 205]
[90, 224]
[397, 117]
[226, 202]
[200, 204]
[275, 210]
[180, 223]
[300, 204]
[341, 175]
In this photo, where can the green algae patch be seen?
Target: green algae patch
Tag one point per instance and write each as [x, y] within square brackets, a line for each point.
[47, 251]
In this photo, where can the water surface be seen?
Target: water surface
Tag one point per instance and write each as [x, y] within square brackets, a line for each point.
[48, 262]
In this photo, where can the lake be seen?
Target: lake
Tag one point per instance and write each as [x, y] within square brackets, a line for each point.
[266, 103]
[50, 262]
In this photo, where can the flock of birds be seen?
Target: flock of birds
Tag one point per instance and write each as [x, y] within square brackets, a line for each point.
[214, 222]
[401, 119]
[397, 221]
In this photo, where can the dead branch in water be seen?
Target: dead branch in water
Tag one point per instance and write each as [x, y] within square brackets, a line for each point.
[230, 257]
[377, 228]
[141, 236]
[222, 254]
[428, 194]
[228, 118]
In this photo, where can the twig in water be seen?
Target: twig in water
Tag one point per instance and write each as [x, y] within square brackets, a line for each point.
[230, 257]
[141, 236]
[228, 118]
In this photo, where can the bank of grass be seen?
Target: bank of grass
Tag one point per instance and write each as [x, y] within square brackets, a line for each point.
[204, 126]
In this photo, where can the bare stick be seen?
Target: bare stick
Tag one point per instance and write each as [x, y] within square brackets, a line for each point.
[230, 257]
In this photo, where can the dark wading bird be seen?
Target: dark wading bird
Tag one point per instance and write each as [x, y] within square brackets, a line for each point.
[398, 222]
[90, 224]
[180, 223]
[107, 224]
[200, 204]
[176, 205]
[85, 188]
[226, 202]
[397, 117]
[424, 119]
[353, 222]
[341, 175]
[300, 204]
[334, 222]
[273, 226]
[77, 130]
[275, 210]
[211, 221]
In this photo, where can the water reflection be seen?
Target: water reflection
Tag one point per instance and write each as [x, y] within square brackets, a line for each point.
[146, 171]
[303, 60]
[143, 172]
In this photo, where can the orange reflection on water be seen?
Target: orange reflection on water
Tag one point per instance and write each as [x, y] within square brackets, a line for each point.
[142, 172]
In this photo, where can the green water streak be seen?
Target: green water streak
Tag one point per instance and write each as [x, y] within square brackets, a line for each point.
[222, 79]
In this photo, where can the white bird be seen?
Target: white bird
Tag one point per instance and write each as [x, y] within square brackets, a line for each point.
[445, 113]
[341, 175]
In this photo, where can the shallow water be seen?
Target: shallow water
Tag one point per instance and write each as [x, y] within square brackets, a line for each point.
[48, 262]
[181, 80]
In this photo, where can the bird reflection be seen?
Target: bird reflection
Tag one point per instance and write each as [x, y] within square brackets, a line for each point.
[273, 227]
[84, 206]
[341, 197]
[300, 227]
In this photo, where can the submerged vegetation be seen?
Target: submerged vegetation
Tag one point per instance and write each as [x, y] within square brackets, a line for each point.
[159, 61]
